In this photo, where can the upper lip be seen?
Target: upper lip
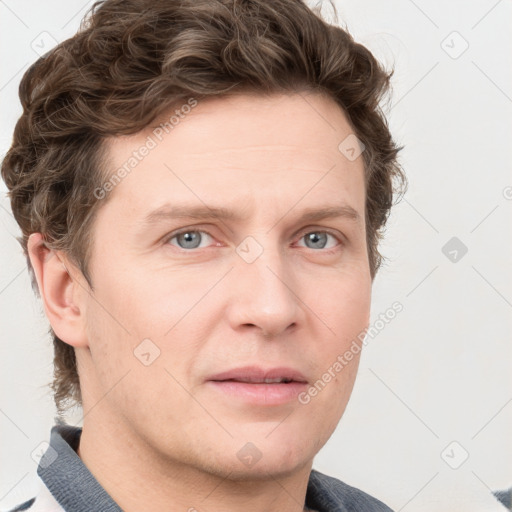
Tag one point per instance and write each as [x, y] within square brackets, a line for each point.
[255, 375]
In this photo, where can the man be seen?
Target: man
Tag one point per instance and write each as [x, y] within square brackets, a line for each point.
[201, 187]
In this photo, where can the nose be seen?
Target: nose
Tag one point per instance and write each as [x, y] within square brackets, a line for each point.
[264, 296]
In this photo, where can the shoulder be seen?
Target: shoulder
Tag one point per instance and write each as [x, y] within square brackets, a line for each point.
[24, 506]
[42, 502]
[328, 493]
[504, 497]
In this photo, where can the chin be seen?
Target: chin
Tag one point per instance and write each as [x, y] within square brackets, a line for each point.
[261, 459]
[271, 469]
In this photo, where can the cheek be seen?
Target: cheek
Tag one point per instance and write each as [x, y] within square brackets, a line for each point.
[346, 306]
[168, 308]
[146, 303]
[345, 309]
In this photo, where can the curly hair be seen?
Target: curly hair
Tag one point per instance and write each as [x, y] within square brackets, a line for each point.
[132, 60]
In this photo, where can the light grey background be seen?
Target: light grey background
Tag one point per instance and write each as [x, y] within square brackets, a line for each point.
[440, 372]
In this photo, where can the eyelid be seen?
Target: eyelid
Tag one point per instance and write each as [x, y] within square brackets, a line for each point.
[318, 229]
[167, 238]
[335, 234]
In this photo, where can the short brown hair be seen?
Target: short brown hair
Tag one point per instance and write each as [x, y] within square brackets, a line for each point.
[131, 61]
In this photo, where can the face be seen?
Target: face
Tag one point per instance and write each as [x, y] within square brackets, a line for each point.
[230, 274]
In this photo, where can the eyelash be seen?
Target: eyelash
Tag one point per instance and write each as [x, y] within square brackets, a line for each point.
[332, 250]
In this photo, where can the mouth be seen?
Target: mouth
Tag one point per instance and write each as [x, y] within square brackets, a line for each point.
[279, 380]
[259, 386]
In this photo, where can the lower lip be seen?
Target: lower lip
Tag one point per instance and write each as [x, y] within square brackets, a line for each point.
[261, 394]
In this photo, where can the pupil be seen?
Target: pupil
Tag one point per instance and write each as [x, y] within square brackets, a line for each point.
[190, 239]
[315, 238]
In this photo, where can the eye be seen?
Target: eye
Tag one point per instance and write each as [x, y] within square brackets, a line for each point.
[190, 239]
[319, 240]
[196, 239]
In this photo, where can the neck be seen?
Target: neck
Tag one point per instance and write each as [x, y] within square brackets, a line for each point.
[138, 478]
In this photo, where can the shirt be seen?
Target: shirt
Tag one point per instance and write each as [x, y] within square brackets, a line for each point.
[70, 487]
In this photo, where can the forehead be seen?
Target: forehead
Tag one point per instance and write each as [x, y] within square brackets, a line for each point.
[239, 149]
[247, 121]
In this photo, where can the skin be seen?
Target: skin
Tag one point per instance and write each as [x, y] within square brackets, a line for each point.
[160, 433]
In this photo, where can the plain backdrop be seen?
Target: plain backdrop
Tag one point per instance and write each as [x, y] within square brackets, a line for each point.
[428, 425]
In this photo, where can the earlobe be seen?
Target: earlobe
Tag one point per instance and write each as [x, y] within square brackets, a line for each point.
[60, 291]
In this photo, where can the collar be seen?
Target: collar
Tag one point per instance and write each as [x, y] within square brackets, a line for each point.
[67, 477]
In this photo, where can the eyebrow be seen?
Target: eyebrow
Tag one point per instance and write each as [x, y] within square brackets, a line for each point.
[170, 212]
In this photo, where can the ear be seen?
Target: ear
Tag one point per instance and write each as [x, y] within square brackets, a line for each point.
[62, 294]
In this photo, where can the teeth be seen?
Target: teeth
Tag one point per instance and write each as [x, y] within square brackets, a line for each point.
[276, 381]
